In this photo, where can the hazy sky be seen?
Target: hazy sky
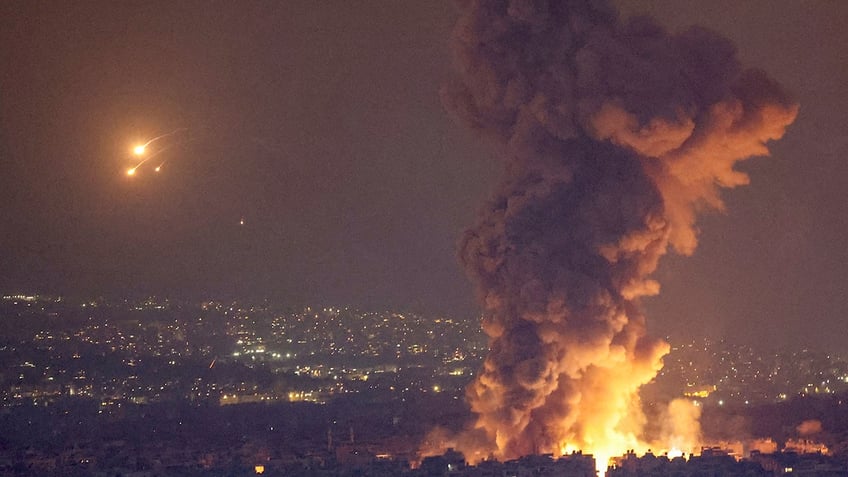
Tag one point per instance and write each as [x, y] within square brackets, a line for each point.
[319, 125]
[774, 267]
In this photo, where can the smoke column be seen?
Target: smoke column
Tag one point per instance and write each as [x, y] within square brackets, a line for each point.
[615, 134]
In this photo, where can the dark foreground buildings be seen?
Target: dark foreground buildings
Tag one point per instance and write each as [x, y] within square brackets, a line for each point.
[711, 463]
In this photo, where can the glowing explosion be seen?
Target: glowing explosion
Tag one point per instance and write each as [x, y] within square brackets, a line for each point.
[615, 134]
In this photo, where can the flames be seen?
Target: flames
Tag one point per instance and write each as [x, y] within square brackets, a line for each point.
[614, 135]
[679, 436]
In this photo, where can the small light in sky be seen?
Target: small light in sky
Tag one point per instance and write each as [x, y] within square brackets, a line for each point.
[131, 171]
[241, 222]
[139, 150]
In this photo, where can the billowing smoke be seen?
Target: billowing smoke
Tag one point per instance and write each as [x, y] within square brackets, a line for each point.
[615, 134]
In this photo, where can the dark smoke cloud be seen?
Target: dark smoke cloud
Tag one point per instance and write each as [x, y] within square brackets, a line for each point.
[615, 134]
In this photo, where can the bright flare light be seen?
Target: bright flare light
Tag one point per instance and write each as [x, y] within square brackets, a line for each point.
[140, 150]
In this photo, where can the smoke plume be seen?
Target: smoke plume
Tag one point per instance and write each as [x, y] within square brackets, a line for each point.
[809, 427]
[681, 428]
[615, 135]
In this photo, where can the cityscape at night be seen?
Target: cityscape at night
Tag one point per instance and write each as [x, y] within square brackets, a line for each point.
[156, 350]
[327, 390]
[490, 238]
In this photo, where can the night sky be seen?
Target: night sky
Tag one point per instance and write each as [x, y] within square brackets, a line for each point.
[319, 126]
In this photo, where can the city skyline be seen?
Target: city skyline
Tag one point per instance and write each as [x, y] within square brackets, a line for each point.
[290, 388]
